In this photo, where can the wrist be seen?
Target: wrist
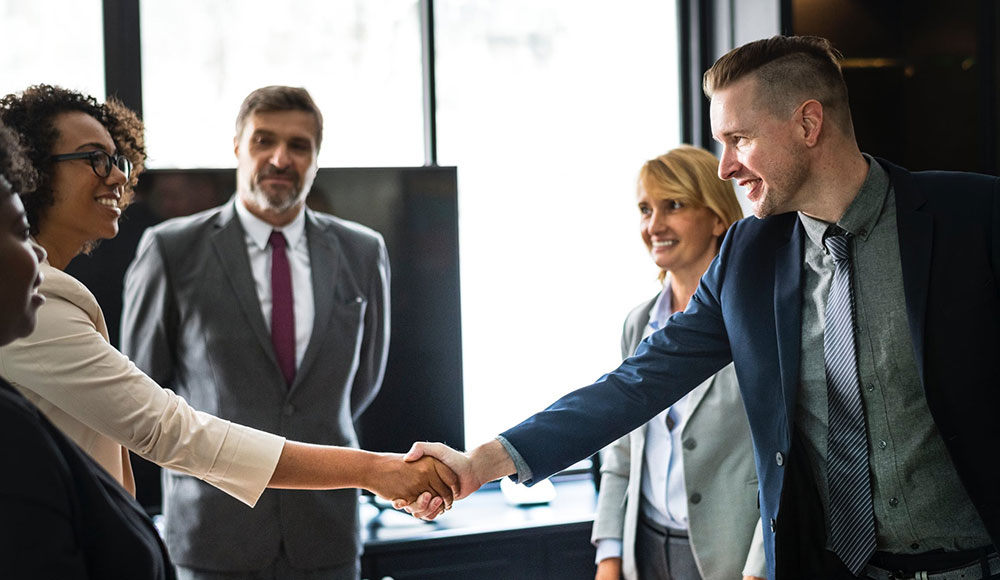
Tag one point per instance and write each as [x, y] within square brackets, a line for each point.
[490, 461]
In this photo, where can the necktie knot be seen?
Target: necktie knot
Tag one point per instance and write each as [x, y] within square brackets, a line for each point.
[277, 240]
[838, 246]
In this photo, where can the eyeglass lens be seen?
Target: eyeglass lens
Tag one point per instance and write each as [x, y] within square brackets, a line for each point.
[101, 162]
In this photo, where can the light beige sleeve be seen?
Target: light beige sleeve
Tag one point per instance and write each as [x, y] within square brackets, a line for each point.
[70, 365]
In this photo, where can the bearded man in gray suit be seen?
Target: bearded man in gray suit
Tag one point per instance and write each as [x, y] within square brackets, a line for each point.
[268, 314]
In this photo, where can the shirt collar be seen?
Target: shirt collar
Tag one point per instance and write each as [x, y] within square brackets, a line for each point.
[260, 231]
[862, 214]
[660, 313]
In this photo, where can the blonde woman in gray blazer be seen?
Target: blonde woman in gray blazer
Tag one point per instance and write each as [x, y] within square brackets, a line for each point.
[678, 495]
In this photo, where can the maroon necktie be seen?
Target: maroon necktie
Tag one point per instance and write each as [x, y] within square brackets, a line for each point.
[282, 310]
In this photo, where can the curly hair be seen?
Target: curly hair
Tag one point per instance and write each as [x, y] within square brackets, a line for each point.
[32, 113]
[16, 172]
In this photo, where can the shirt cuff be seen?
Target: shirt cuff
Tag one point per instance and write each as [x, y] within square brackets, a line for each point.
[523, 471]
[246, 463]
[608, 548]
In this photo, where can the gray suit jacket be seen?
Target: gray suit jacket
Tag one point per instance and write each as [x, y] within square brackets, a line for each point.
[193, 322]
[719, 474]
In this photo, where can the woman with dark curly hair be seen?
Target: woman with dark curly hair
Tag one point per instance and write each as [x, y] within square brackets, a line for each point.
[63, 515]
[88, 156]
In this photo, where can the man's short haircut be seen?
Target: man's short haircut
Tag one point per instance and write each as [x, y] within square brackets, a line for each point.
[789, 70]
[277, 98]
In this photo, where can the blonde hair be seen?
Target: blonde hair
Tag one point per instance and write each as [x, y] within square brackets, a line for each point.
[691, 175]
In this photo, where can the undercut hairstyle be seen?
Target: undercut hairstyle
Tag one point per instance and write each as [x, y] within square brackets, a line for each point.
[789, 70]
[691, 175]
[32, 114]
[276, 98]
[16, 173]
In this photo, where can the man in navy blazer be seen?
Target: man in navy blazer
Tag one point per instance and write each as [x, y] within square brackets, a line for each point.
[926, 257]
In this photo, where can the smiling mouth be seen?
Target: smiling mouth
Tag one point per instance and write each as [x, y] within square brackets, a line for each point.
[664, 244]
[108, 202]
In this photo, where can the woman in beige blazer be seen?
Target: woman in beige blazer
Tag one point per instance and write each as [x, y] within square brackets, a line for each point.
[678, 495]
[88, 156]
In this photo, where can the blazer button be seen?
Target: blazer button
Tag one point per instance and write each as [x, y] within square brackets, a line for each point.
[695, 498]
[288, 410]
[690, 444]
[779, 459]
[772, 525]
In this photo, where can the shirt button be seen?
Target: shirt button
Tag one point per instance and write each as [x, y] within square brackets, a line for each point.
[772, 525]
[695, 497]
[779, 459]
[882, 444]
[893, 502]
[870, 387]
[690, 444]
[914, 546]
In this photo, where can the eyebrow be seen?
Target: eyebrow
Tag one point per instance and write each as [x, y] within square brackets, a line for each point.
[93, 145]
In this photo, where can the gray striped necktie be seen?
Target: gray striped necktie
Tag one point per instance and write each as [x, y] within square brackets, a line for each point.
[852, 519]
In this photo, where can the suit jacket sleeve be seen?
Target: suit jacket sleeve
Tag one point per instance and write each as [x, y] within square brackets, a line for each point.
[609, 520]
[668, 364]
[375, 345]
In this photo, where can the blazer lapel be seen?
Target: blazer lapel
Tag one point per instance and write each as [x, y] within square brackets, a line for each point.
[229, 243]
[324, 258]
[915, 230]
[788, 314]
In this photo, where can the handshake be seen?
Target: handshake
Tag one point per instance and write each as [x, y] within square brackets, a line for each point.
[431, 476]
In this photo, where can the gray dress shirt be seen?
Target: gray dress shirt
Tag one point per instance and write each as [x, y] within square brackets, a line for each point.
[919, 502]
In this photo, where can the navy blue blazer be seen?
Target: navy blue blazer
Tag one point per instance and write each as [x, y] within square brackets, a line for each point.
[63, 516]
[748, 309]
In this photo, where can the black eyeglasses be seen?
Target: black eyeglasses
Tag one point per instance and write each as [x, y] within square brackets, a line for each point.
[100, 161]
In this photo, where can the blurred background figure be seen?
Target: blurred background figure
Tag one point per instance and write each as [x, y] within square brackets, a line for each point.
[678, 495]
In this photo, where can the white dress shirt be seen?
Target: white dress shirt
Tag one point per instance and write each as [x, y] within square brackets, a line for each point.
[257, 233]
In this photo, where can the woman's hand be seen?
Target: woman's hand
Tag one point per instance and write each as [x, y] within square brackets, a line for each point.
[609, 569]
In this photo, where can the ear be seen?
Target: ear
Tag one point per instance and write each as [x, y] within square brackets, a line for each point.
[719, 228]
[811, 121]
[236, 146]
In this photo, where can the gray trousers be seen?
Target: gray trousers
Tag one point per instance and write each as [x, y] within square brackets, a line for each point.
[662, 554]
[280, 569]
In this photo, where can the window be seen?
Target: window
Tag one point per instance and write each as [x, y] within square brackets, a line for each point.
[55, 42]
[360, 60]
[549, 109]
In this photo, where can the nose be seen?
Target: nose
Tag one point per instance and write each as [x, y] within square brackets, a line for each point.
[728, 165]
[657, 222]
[117, 177]
[39, 252]
[279, 158]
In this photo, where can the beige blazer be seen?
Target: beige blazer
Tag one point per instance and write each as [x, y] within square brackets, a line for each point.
[719, 473]
[97, 397]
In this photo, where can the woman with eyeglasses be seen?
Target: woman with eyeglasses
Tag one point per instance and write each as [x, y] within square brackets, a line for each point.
[88, 156]
[63, 515]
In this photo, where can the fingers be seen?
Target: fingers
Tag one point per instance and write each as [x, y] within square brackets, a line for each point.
[450, 478]
[435, 484]
[415, 452]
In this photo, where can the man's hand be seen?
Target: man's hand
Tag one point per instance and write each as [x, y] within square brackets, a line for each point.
[404, 482]
[609, 569]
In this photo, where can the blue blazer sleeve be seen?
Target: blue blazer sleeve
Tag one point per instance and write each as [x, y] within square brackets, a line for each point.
[668, 364]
